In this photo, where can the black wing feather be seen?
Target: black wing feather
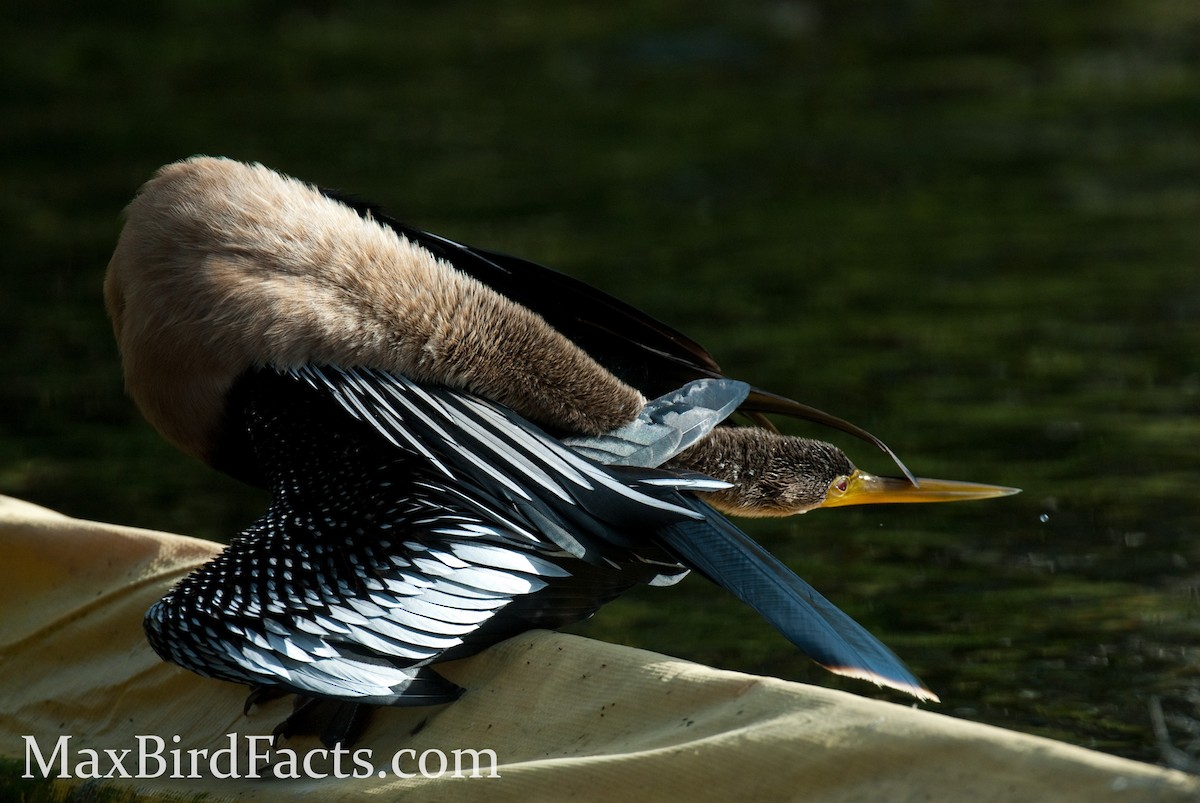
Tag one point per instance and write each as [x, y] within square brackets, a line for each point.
[605, 516]
[640, 350]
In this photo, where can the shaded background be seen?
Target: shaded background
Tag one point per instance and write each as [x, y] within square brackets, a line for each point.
[971, 228]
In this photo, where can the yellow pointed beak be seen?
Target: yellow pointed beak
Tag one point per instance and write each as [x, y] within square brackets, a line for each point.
[861, 488]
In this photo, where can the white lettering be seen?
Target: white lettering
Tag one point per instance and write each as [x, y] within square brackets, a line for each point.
[309, 772]
[144, 756]
[441, 757]
[260, 752]
[197, 755]
[256, 757]
[339, 751]
[231, 752]
[475, 754]
[90, 766]
[118, 761]
[286, 767]
[60, 752]
[362, 760]
[396, 763]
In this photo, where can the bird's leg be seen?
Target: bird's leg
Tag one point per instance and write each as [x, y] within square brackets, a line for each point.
[332, 721]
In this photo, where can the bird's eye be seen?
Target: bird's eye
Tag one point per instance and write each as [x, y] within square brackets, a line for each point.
[841, 484]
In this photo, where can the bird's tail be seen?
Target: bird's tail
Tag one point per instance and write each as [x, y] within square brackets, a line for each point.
[732, 560]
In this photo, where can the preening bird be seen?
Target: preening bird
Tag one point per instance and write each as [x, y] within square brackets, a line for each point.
[459, 445]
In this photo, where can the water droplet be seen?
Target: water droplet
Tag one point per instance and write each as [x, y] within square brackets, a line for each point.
[1045, 517]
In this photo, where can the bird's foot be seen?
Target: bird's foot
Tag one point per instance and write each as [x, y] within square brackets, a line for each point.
[332, 721]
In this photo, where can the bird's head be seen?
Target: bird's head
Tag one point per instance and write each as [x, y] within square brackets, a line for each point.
[780, 475]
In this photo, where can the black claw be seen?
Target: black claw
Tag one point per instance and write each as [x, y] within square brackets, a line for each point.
[259, 695]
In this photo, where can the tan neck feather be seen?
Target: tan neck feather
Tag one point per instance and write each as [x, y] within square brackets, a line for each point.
[223, 266]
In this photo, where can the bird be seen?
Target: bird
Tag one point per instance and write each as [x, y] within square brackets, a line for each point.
[459, 446]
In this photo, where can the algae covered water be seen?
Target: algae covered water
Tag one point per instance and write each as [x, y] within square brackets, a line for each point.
[970, 229]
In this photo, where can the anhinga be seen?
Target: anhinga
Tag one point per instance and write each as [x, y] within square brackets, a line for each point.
[457, 443]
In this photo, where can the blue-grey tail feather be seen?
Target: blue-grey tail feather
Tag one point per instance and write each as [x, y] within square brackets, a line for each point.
[732, 560]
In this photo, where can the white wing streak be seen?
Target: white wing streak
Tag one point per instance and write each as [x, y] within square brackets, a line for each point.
[471, 540]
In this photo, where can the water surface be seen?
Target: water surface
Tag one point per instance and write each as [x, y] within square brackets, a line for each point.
[968, 228]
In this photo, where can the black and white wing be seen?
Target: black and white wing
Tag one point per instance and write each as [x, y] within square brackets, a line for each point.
[410, 525]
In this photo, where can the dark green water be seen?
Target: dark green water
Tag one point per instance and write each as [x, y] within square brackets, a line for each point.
[970, 228]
